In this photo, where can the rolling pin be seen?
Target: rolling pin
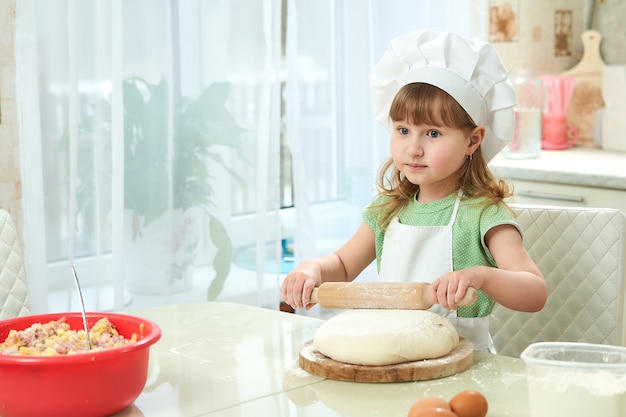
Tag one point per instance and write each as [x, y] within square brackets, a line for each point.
[382, 295]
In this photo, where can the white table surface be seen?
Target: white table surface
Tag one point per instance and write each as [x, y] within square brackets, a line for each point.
[227, 360]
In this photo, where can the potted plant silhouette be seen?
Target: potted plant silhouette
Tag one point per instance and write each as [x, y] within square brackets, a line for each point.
[170, 148]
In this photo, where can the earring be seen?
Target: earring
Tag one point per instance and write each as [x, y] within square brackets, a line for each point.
[470, 156]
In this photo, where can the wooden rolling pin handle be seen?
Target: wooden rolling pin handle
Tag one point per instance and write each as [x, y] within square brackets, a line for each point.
[314, 296]
[468, 299]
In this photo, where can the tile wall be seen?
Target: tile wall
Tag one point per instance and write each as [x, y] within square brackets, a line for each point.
[608, 18]
[10, 182]
[529, 33]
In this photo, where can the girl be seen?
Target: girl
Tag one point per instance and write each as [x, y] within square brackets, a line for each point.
[440, 215]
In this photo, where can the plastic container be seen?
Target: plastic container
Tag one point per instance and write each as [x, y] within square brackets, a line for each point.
[94, 384]
[530, 95]
[576, 379]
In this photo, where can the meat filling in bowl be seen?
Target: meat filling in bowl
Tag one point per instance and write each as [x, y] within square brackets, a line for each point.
[55, 338]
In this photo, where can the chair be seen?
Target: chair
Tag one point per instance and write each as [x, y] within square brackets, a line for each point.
[581, 252]
[13, 288]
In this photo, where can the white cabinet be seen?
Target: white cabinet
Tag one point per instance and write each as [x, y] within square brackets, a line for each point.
[535, 192]
[577, 177]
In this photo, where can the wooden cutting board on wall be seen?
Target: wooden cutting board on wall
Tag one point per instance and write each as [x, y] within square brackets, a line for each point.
[587, 97]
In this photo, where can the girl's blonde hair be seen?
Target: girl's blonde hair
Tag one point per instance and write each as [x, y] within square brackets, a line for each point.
[420, 103]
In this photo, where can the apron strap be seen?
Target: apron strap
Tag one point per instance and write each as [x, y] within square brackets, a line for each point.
[457, 203]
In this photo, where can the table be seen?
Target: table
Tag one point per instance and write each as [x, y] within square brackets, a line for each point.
[226, 360]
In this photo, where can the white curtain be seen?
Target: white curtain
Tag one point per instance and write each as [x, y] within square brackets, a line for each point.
[149, 141]
[151, 134]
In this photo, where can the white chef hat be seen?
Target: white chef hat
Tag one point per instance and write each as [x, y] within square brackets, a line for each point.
[470, 71]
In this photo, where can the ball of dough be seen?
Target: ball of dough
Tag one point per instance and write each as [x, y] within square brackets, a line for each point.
[385, 337]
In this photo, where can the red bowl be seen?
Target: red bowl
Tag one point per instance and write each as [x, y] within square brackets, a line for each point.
[95, 384]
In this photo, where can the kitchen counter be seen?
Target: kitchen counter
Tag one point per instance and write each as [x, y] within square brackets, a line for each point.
[580, 166]
[233, 360]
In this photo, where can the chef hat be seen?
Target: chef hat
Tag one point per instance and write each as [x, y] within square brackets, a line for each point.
[469, 71]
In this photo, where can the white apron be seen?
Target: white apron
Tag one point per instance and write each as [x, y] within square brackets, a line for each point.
[423, 254]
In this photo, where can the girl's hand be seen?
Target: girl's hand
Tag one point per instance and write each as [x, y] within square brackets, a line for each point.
[340, 266]
[298, 285]
[450, 288]
[516, 283]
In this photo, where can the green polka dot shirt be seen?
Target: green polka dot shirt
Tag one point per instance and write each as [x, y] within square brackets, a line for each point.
[474, 219]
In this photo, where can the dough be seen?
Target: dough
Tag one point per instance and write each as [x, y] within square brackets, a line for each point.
[385, 337]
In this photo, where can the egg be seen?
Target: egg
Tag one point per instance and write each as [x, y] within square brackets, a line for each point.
[434, 412]
[469, 404]
[429, 406]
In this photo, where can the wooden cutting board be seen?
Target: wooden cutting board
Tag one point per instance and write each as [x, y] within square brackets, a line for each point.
[587, 97]
[458, 360]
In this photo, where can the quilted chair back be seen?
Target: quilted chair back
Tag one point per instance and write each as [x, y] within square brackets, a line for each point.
[581, 253]
[13, 288]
